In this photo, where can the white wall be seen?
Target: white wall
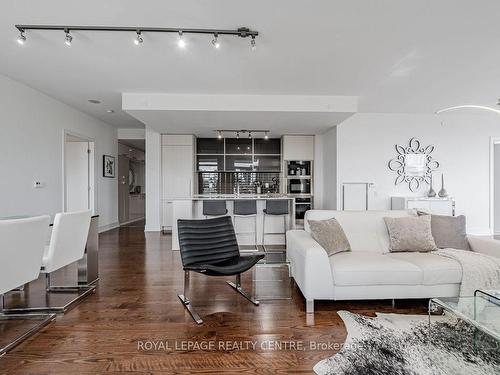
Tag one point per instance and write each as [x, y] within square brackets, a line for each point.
[330, 169]
[31, 139]
[366, 144]
[153, 179]
[496, 172]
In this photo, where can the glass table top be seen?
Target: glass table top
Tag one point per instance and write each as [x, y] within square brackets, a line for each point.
[482, 310]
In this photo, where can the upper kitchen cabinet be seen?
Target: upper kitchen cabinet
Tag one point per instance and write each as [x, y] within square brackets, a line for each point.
[239, 146]
[298, 147]
[270, 146]
[209, 146]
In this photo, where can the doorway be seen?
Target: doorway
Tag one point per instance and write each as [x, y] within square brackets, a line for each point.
[131, 182]
[78, 173]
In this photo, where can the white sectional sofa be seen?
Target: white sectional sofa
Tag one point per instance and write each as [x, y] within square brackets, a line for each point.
[369, 271]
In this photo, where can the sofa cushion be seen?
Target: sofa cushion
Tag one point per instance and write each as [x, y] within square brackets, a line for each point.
[365, 230]
[410, 233]
[449, 231]
[330, 235]
[436, 269]
[369, 268]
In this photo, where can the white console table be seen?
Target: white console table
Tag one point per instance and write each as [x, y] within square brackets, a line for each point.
[438, 206]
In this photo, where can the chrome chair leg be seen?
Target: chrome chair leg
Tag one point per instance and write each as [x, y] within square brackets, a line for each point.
[237, 286]
[186, 302]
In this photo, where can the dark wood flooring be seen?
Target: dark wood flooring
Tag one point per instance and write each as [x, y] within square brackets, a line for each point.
[136, 301]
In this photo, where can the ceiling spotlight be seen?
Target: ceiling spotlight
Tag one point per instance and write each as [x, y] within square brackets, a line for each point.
[22, 38]
[219, 134]
[266, 136]
[181, 42]
[237, 135]
[110, 111]
[68, 39]
[138, 39]
[215, 41]
[253, 43]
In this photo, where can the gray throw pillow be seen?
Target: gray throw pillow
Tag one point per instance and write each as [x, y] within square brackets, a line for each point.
[330, 235]
[410, 234]
[449, 232]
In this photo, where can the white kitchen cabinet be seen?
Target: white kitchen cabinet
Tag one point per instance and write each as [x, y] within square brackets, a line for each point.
[437, 206]
[177, 173]
[298, 147]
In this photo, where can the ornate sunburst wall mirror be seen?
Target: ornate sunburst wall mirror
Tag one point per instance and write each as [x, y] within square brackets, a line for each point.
[413, 164]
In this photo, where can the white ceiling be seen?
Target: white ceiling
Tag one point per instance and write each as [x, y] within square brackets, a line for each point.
[396, 55]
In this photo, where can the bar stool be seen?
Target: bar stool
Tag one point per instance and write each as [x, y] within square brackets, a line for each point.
[275, 207]
[246, 208]
[214, 207]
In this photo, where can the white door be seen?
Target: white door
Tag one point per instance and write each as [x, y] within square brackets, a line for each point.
[77, 176]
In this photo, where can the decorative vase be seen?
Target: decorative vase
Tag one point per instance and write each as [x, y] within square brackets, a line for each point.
[442, 193]
[432, 192]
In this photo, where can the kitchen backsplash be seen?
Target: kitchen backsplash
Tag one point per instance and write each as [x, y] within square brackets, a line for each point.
[228, 182]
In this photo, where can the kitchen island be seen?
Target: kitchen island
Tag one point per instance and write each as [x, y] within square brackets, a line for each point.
[192, 208]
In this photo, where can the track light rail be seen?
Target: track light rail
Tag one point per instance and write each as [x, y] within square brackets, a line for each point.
[241, 32]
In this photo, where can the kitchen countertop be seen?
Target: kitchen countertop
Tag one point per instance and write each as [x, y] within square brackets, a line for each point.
[240, 196]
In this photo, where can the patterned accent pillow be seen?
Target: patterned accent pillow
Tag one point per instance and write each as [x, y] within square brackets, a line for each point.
[410, 234]
[330, 235]
[449, 232]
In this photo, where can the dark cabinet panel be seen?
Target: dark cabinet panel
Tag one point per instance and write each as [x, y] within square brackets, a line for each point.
[267, 146]
[209, 146]
[238, 146]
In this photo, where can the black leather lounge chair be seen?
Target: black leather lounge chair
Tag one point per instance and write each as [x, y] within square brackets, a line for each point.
[210, 247]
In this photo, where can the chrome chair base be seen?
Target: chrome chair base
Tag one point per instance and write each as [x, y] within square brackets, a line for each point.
[83, 291]
[46, 319]
[237, 286]
[189, 308]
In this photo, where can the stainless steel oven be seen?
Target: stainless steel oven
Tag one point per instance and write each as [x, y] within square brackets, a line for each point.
[299, 186]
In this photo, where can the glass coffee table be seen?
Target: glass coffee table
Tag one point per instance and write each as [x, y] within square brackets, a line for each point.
[271, 276]
[482, 310]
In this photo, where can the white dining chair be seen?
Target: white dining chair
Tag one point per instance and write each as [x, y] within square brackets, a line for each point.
[67, 245]
[21, 250]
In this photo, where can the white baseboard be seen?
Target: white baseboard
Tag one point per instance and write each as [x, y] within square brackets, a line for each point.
[152, 228]
[132, 221]
[107, 227]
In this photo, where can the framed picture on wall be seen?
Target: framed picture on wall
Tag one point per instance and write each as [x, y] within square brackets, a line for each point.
[108, 166]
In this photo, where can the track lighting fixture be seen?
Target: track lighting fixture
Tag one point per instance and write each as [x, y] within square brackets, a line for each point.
[22, 38]
[251, 133]
[138, 39]
[69, 39]
[181, 42]
[215, 41]
[242, 32]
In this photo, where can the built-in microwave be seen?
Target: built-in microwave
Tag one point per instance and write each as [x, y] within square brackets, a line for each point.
[299, 186]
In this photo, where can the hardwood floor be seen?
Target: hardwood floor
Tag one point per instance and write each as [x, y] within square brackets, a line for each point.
[136, 304]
